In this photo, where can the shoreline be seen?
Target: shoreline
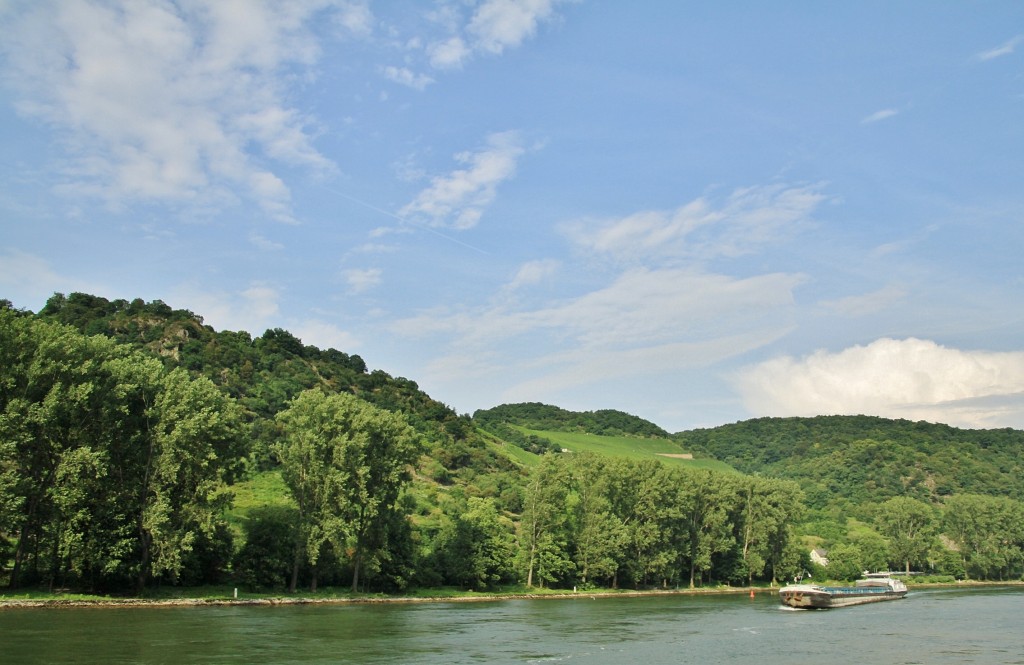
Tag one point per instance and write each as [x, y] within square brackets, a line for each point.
[273, 601]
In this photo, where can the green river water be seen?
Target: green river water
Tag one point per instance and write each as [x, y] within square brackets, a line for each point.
[928, 627]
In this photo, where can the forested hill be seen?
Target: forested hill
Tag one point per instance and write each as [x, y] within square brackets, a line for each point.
[534, 415]
[862, 458]
[264, 373]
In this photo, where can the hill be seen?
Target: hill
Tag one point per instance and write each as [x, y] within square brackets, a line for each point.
[265, 372]
[855, 459]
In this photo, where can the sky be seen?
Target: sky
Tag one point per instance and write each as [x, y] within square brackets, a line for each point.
[695, 212]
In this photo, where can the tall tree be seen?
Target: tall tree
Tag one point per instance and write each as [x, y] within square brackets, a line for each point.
[542, 538]
[909, 526]
[345, 462]
[194, 441]
[598, 534]
[704, 502]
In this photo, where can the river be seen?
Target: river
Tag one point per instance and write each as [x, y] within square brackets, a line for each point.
[929, 626]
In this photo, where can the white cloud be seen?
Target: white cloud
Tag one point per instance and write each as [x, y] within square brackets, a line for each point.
[360, 280]
[448, 54]
[28, 280]
[744, 222]
[264, 243]
[324, 335]
[533, 272]
[253, 309]
[494, 26]
[458, 200]
[660, 319]
[999, 51]
[879, 115]
[910, 378]
[406, 77]
[499, 24]
[162, 101]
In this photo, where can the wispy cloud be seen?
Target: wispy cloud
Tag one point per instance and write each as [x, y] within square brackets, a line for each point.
[264, 243]
[36, 279]
[362, 279]
[879, 115]
[705, 229]
[868, 303]
[458, 200]
[999, 51]
[533, 272]
[910, 378]
[161, 101]
[669, 318]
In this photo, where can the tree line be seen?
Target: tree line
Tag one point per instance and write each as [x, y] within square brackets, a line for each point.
[116, 466]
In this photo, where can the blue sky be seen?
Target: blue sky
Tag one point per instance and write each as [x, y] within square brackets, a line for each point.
[694, 212]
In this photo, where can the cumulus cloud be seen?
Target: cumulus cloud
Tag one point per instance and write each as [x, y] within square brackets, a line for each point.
[458, 200]
[745, 221]
[171, 102]
[500, 24]
[910, 378]
[448, 54]
[495, 25]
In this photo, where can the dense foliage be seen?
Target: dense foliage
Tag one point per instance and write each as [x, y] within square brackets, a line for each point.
[124, 424]
[859, 458]
[113, 466]
[534, 415]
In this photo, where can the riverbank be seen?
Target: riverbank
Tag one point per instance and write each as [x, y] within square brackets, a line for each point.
[70, 600]
[267, 600]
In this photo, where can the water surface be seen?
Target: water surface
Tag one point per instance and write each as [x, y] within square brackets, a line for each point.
[928, 627]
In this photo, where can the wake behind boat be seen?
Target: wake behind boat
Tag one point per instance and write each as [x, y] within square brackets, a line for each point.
[874, 587]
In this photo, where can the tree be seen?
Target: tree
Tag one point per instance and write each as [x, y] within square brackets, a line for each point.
[195, 437]
[345, 462]
[476, 547]
[118, 463]
[908, 524]
[704, 503]
[767, 507]
[598, 534]
[542, 538]
[988, 532]
[845, 562]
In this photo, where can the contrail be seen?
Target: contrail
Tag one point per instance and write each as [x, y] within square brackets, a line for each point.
[403, 220]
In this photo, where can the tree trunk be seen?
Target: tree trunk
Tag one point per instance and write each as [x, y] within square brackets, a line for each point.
[295, 570]
[357, 563]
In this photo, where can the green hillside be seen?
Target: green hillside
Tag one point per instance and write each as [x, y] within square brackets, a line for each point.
[628, 447]
[857, 459]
